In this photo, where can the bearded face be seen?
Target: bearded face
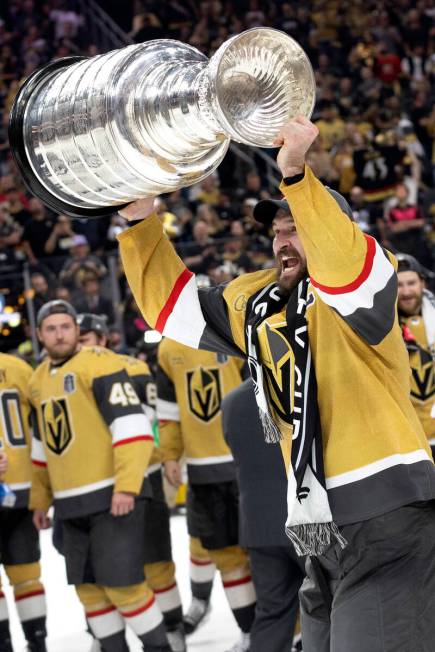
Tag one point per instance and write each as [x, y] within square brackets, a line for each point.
[410, 292]
[290, 260]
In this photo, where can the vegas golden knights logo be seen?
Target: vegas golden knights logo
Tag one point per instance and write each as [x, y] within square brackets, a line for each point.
[423, 375]
[204, 393]
[57, 425]
[279, 363]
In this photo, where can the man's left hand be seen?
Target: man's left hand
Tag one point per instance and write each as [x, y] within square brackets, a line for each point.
[295, 139]
[122, 503]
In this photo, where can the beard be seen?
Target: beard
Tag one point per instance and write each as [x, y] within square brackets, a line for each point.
[410, 305]
[59, 352]
[288, 278]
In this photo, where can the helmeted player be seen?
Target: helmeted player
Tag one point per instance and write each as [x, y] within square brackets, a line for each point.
[190, 387]
[19, 539]
[417, 317]
[159, 566]
[90, 455]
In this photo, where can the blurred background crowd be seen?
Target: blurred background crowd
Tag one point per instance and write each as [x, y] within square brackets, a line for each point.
[375, 68]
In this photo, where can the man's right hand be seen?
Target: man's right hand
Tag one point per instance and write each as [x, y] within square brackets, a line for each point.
[173, 473]
[41, 520]
[138, 209]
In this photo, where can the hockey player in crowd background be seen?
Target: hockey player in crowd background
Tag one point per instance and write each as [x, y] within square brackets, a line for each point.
[19, 539]
[190, 388]
[331, 370]
[159, 566]
[417, 318]
[87, 409]
[277, 572]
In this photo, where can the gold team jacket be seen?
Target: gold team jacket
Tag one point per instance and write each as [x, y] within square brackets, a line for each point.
[190, 387]
[376, 455]
[93, 437]
[15, 438]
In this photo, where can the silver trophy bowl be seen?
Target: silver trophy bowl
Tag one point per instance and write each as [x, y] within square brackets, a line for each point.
[91, 135]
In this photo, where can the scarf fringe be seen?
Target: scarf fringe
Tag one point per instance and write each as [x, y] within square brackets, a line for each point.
[272, 434]
[313, 538]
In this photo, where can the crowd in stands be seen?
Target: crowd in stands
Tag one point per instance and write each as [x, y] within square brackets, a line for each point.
[374, 64]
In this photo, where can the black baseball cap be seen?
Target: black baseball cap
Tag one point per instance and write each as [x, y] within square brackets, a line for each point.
[407, 263]
[266, 209]
[95, 323]
[56, 307]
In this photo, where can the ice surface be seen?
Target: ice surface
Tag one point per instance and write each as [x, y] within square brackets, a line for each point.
[66, 623]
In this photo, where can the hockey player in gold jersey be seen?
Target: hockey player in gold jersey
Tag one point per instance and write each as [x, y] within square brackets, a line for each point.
[159, 566]
[19, 539]
[417, 317]
[331, 376]
[190, 388]
[90, 455]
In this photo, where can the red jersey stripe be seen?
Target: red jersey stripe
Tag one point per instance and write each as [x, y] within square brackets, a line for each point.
[360, 279]
[179, 285]
[129, 440]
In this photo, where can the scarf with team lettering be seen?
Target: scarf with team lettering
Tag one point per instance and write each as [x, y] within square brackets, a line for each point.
[309, 523]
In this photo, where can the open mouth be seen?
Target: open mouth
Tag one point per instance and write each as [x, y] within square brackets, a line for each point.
[288, 263]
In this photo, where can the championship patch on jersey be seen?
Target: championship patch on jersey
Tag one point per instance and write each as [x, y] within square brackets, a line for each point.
[69, 383]
[204, 393]
[57, 425]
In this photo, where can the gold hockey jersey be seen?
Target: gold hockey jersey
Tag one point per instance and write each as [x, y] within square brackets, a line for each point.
[376, 456]
[15, 436]
[93, 437]
[421, 359]
[145, 387]
[190, 387]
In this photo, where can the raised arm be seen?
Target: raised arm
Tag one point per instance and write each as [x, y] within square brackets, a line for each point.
[165, 290]
[349, 270]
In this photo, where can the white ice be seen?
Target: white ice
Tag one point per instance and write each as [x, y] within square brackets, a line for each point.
[66, 623]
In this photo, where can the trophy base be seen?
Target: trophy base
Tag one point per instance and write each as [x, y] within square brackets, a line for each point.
[16, 140]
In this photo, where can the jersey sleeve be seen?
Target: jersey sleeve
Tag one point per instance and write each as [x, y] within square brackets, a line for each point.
[132, 438]
[166, 293]
[41, 496]
[168, 412]
[349, 270]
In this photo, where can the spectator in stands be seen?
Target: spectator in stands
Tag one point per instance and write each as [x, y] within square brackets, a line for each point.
[59, 241]
[80, 262]
[41, 289]
[362, 212]
[37, 231]
[200, 253]
[90, 299]
[235, 249]
[10, 231]
[134, 325]
[406, 227]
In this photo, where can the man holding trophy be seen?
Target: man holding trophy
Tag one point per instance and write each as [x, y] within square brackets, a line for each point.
[320, 332]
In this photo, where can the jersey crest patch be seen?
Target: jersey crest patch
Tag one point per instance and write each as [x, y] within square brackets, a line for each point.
[57, 425]
[204, 393]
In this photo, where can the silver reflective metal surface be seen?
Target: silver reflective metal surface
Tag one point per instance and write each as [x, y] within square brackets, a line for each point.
[158, 116]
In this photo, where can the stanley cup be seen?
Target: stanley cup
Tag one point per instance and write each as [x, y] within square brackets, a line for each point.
[90, 135]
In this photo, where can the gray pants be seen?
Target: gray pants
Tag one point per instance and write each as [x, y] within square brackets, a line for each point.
[382, 587]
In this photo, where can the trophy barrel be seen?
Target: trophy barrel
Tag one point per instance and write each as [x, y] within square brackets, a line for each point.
[91, 135]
